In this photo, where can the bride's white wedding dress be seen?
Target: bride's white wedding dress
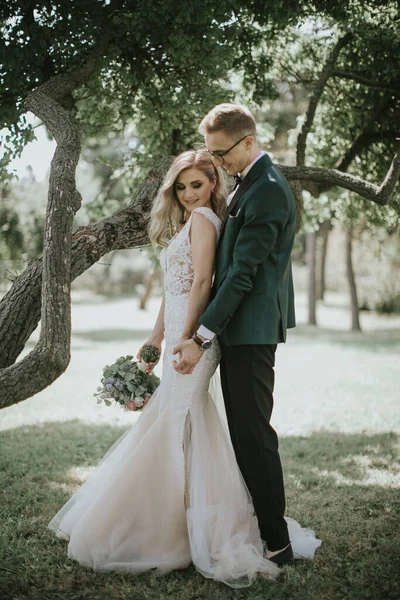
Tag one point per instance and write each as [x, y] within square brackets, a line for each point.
[169, 491]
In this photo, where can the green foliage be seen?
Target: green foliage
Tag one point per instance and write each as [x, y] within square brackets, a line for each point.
[160, 53]
[389, 305]
[168, 63]
[12, 238]
[164, 66]
[359, 107]
[11, 235]
[21, 225]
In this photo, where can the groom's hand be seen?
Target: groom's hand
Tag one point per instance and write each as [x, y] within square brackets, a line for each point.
[190, 355]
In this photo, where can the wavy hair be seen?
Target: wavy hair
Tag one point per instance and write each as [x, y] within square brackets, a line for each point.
[168, 215]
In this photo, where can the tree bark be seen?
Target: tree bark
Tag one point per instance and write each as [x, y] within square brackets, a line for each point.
[51, 355]
[20, 308]
[311, 263]
[323, 236]
[153, 277]
[380, 194]
[355, 318]
[298, 198]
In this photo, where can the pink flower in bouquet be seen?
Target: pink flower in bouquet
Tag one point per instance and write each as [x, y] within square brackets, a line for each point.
[130, 405]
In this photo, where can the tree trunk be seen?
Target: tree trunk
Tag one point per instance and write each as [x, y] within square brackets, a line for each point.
[323, 235]
[311, 262]
[355, 318]
[20, 307]
[298, 198]
[51, 355]
[176, 141]
[151, 280]
[24, 304]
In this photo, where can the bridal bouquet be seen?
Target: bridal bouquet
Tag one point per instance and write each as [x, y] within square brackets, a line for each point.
[127, 383]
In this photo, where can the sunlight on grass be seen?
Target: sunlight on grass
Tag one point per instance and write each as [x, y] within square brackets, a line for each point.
[40, 466]
[75, 477]
[374, 468]
[384, 478]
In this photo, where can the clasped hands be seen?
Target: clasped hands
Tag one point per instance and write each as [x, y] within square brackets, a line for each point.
[189, 355]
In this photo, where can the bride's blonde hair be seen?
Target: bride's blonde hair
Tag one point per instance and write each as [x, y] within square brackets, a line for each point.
[168, 215]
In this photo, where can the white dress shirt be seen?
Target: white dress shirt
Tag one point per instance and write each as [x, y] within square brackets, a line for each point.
[202, 330]
[243, 175]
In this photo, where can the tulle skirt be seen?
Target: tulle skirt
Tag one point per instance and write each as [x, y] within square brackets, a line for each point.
[168, 493]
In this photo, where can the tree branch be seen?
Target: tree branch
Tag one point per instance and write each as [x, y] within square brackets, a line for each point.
[315, 98]
[366, 136]
[60, 86]
[365, 81]
[51, 355]
[362, 141]
[379, 194]
[20, 308]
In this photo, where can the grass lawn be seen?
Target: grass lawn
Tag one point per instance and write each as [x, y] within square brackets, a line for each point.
[341, 484]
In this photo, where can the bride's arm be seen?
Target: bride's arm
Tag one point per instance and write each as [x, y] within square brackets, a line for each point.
[157, 335]
[203, 244]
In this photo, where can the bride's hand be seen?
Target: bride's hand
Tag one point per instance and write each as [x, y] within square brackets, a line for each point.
[151, 342]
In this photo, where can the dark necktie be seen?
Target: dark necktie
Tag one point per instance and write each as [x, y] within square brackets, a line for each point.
[238, 181]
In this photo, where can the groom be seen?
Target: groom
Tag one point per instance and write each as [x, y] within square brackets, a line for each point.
[251, 306]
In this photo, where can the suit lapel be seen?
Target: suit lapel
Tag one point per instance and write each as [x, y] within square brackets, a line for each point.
[248, 181]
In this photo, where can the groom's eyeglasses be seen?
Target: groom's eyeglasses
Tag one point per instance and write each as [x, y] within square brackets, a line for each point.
[220, 155]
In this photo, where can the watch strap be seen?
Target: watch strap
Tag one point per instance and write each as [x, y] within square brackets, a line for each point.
[197, 339]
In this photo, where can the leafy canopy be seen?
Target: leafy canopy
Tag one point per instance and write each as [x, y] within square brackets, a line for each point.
[171, 53]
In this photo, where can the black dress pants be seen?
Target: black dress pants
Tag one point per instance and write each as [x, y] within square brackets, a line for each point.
[247, 378]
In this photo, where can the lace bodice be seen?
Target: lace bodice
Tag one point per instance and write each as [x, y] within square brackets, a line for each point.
[176, 259]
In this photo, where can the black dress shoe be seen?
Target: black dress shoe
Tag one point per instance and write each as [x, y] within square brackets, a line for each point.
[283, 558]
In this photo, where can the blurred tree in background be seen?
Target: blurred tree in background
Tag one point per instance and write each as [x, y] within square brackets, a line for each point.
[351, 123]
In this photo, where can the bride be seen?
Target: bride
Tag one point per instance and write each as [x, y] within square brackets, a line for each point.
[169, 491]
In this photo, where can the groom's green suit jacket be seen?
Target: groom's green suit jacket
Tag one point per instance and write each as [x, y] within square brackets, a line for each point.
[252, 299]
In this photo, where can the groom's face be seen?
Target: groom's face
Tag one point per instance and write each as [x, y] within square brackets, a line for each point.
[238, 146]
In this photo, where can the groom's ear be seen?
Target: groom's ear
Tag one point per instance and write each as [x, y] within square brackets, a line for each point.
[249, 142]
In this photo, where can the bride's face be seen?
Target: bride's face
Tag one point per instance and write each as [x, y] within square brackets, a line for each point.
[193, 189]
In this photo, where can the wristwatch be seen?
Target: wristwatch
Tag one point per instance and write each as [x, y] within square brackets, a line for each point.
[201, 341]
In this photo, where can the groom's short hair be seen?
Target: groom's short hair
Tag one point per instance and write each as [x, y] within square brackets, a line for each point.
[229, 118]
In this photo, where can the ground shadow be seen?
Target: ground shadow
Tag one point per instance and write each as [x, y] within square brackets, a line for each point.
[327, 489]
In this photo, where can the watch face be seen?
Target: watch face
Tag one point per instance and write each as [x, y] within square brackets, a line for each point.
[206, 345]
